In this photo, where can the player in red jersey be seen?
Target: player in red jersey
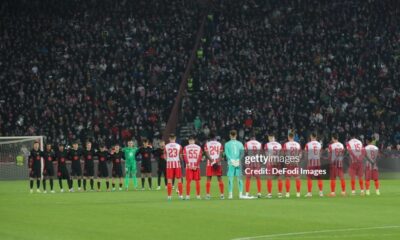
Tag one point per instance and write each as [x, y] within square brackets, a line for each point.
[336, 153]
[213, 151]
[252, 148]
[313, 156]
[371, 166]
[173, 153]
[192, 155]
[292, 151]
[357, 153]
[273, 149]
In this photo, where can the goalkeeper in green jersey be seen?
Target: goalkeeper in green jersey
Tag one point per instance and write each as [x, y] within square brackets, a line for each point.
[234, 152]
[130, 164]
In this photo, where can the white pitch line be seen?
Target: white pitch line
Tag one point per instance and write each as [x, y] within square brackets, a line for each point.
[313, 232]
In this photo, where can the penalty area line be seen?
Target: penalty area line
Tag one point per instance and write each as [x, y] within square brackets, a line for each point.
[314, 232]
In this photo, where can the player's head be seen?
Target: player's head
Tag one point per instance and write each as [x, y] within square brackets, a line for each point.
[212, 136]
[290, 136]
[252, 136]
[145, 142]
[233, 134]
[88, 145]
[335, 137]
[75, 145]
[130, 143]
[48, 146]
[36, 145]
[353, 134]
[191, 139]
[162, 143]
[369, 140]
[172, 138]
[61, 147]
[313, 136]
[116, 147]
[271, 137]
[102, 147]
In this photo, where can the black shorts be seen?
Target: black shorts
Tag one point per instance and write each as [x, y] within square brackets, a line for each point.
[103, 171]
[63, 173]
[76, 170]
[35, 172]
[161, 167]
[145, 167]
[117, 171]
[48, 171]
[88, 171]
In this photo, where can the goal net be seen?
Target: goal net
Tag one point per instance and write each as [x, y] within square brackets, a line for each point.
[14, 152]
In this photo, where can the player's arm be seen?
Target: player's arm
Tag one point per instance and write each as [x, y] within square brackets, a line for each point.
[184, 156]
[206, 153]
[221, 154]
[30, 161]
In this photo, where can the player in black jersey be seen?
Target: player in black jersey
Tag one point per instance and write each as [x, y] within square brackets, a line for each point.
[88, 170]
[74, 155]
[48, 171]
[102, 173]
[35, 165]
[145, 168]
[62, 170]
[161, 164]
[116, 158]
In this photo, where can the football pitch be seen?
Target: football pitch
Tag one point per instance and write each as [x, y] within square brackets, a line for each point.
[148, 215]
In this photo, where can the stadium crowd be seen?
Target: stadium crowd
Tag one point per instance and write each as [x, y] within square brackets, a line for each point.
[329, 66]
[92, 69]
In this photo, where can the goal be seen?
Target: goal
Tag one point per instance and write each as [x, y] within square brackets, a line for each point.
[14, 152]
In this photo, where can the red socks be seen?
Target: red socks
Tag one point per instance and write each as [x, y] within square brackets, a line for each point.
[353, 184]
[320, 184]
[287, 184]
[247, 184]
[298, 185]
[269, 185]
[367, 183]
[377, 184]
[208, 185]
[361, 183]
[280, 185]
[180, 188]
[343, 183]
[333, 185]
[169, 188]
[188, 188]
[309, 184]
[221, 187]
[258, 185]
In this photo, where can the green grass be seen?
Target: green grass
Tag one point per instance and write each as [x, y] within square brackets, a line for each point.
[148, 215]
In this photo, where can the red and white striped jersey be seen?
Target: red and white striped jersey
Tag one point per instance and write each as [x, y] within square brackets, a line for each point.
[253, 145]
[336, 153]
[172, 152]
[371, 152]
[356, 150]
[273, 148]
[291, 148]
[313, 150]
[192, 154]
[214, 150]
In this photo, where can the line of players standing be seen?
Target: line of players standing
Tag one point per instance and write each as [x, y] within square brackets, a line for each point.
[192, 155]
[74, 155]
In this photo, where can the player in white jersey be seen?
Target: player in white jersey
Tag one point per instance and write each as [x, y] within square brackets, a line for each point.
[273, 151]
[371, 166]
[252, 148]
[357, 153]
[192, 154]
[313, 156]
[213, 151]
[173, 156]
[336, 153]
[292, 150]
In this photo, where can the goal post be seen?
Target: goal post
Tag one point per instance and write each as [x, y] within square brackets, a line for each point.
[14, 153]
